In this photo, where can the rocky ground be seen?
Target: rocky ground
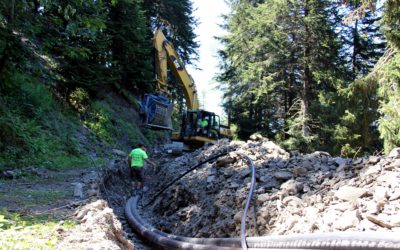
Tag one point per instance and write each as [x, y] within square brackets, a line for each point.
[294, 193]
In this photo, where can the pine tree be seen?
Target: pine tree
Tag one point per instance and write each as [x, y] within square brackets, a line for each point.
[74, 31]
[251, 61]
[131, 46]
[176, 19]
[285, 56]
[364, 44]
[387, 75]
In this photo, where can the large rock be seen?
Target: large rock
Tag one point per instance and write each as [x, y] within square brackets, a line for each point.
[347, 220]
[349, 193]
[299, 171]
[291, 187]
[283, 175]
[263, 198]
[119, 152]
[395, 153]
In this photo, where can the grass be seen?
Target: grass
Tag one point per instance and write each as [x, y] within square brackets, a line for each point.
[29, 232]
[29, 197]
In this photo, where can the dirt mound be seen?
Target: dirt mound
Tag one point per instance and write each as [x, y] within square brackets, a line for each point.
[294, 193]
[98, 229]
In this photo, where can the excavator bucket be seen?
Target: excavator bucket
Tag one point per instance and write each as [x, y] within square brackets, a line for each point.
[156, 112]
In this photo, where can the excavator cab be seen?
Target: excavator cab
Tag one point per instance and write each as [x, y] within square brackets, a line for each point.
[199, 127]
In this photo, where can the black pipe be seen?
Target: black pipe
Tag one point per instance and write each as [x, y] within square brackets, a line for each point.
[323, 241]
[163, 239]
[230, 242]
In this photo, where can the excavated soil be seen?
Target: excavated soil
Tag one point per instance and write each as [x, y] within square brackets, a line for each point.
[295, 193]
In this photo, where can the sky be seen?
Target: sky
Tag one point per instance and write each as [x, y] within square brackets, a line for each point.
[208, 12]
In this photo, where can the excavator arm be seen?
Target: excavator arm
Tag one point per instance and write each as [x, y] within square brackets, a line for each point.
[167, 55]
[157, 109]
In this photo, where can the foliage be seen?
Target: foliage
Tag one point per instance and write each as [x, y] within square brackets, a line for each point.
[54, 53]
[27, 108]
[176, 18]
[130, 45]
[36, 130]
[77, 35]
[388, 78]
[292, 70]
[389, 86]
[279, 65]
[79, 99]
[385, 76]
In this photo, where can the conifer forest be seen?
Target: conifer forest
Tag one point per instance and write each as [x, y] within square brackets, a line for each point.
[310, 74]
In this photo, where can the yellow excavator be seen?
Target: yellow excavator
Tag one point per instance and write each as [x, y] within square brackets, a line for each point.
[197, 126]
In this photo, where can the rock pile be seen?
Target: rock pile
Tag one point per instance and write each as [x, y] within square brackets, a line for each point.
[294, 193]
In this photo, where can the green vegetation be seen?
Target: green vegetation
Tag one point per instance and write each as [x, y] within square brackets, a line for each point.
[39, 232]
[29, 197]
[35, 128]
[65, 68]
[314, 75]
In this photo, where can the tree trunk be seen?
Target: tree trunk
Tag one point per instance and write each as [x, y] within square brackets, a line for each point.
[306, 80]
[12, 12]
[3, 62]
[355, 50]
[36, 6]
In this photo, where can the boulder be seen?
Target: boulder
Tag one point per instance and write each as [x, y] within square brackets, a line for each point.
[349, 193]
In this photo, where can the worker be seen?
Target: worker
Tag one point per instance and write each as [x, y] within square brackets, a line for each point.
[202, 125]
[136, 159]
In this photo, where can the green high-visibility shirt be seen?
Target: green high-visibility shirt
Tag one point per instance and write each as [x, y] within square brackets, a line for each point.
[203, 123]
[138, 156]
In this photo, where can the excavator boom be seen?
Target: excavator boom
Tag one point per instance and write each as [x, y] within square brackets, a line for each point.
[157, 109]
[167, 55]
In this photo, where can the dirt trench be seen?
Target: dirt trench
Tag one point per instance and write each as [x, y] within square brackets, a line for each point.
[116, 189]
